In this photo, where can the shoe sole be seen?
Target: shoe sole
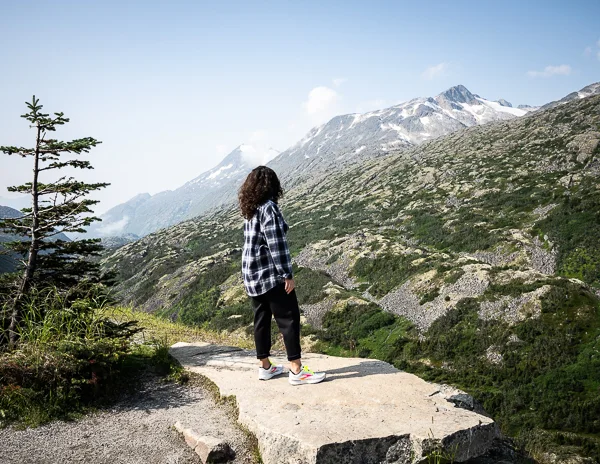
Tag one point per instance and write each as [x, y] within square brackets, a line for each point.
[270, 377]
[303, 382]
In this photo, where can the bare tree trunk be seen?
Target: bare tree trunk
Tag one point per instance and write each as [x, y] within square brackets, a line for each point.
[16, 314]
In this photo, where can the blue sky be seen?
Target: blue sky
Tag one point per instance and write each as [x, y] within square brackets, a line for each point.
[172, 87]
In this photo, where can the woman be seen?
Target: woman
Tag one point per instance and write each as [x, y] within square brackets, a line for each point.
[267, 271]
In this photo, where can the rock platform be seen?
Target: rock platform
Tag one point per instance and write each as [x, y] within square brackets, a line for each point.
[366, 411]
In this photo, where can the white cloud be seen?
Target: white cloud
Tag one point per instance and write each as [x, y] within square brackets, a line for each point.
[561, 70]
[257, 154]
[321, 104]
[113, 228]
[435, 71]
[257, 149]
[339, 81]
[251, 156]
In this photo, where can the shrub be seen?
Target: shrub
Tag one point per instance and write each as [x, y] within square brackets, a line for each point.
[69, 355]
[200, 301]
[197, 308]
[388, 271]
[309, 285]
[222, 320]
[574, 226]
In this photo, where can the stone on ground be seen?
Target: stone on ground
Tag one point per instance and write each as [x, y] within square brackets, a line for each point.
[365, 412]
[210, 449]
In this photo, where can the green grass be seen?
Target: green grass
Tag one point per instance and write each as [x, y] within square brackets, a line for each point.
[70, 355]
[155, 327]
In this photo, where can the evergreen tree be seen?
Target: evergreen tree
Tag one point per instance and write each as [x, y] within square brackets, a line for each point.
[57, 207]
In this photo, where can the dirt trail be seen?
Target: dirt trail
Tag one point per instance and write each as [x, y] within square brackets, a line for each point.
[138, 429]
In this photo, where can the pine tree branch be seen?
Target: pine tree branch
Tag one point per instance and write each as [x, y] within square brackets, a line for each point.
[83, 145]
[15, 226]
[20, 151]
[72, 163]
[60, 206]
[56, 232]
[69, 215]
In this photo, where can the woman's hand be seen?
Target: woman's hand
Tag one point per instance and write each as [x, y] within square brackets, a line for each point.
[289, 285]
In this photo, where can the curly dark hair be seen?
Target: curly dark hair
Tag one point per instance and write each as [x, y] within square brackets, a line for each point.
[262, 184]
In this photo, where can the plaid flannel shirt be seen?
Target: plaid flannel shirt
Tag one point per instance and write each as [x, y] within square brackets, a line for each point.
[266, 259]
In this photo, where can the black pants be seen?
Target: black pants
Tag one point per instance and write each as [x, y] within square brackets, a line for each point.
[284, 306]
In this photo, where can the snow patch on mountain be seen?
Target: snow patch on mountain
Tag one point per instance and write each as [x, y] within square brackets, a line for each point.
[218, 171]
[497, 106]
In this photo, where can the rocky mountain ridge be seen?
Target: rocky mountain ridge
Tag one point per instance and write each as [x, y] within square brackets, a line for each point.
[587, 91]
[350, 138]
[342, 141]
[439, 166]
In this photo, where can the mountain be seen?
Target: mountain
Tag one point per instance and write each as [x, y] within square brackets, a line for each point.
[524, 166]
[117, 241]
[350, 138]
[147, 213]
[340, 142]
[115, 220]
[471, 259]
[588, 91]
[9, 260]
[7, 212]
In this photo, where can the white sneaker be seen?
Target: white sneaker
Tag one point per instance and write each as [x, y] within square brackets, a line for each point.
[306, 376]
[266, 374]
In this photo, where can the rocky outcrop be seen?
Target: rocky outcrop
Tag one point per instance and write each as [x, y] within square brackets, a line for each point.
[404, 301]
[514, 309]
[366, 411]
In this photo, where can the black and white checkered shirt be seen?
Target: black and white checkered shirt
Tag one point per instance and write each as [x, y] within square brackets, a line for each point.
[266, 259]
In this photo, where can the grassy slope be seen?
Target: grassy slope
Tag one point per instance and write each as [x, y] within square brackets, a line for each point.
[464, 193]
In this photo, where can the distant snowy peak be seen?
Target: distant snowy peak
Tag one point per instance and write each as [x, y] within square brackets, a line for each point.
[352, 137]
[144, 214]
[237, 163]
[410, 122]
[458, 94]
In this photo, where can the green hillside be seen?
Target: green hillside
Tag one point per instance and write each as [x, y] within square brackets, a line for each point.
[473, 259]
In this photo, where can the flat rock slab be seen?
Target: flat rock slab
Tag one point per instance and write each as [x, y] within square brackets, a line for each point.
[366, 411]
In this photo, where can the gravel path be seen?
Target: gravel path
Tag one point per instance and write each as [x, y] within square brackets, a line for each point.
[138, 429]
